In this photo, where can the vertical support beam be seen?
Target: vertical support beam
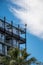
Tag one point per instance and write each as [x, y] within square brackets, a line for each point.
[12, 31]
[4, 27]
[4, 23]
[25, 35]
[19, 35]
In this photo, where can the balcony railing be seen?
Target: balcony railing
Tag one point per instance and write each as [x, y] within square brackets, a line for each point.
[5, 43]
[14, 35]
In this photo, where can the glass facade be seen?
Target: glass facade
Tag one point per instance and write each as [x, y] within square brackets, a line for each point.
[10, 36]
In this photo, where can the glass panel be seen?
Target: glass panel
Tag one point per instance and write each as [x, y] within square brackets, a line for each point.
[5, 50]
[0, 48]
[2, 37]
[14, 43]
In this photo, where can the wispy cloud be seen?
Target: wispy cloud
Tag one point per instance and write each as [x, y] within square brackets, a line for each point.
[31, 13]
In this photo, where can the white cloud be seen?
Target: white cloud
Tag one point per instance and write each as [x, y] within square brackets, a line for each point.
[32, 15]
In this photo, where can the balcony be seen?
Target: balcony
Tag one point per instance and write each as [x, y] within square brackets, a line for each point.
[16, 36]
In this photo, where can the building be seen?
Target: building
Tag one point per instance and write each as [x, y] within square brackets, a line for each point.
[11, 36]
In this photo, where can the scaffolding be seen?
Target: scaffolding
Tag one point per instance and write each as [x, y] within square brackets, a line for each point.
[10, 35]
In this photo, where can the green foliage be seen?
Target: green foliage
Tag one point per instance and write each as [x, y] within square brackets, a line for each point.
[24, 54]
[5, 60]
[17, 57]
[14, 53]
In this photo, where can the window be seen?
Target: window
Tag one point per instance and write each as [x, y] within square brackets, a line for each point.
[4, 49]
[2, 37]
[14, 43]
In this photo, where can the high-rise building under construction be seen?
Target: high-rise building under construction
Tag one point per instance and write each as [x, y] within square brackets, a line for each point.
[11, 36]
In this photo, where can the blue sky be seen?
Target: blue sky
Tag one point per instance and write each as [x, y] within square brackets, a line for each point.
[31, 14]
